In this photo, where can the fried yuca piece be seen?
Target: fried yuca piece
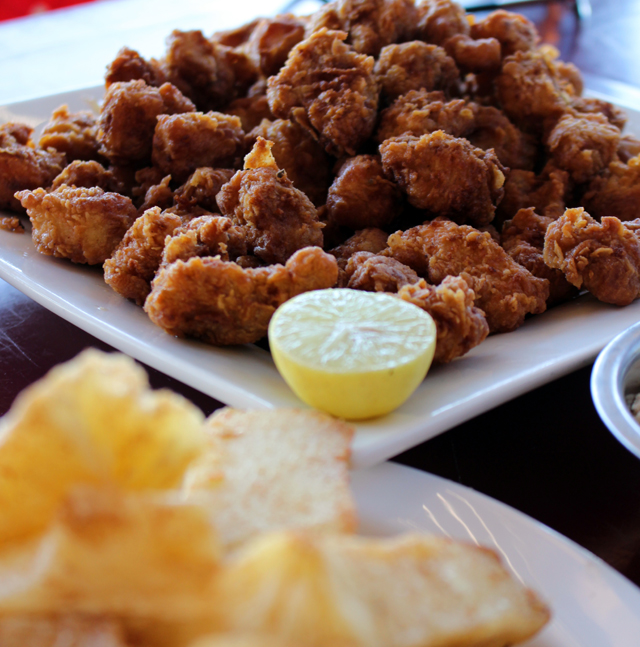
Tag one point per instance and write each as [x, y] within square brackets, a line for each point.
[61, 432]
[418, 591]
[137, 558]
[271, 470]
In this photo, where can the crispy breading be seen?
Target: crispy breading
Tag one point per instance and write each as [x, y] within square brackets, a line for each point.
[201, 188]
[209, 73]
[135, 260]
[128, 118]
[128, 65]
[493, 129]
[83, 225]
[328, 88]
[274, 470]
[602, 257]
[87, 173]
[72, 133]
[439, 20]
[414, 66]
[184, 142]
[369, 239]
[530, 90]
[419, 112]
[590, 105]
[513, 31]
[459, 323]
[523, 239]
[367, 592]
[278, 218]
[445, 175]
[548, 193]
[361, 196]
[583, 145]
[23, 166]
[375, 273]
[222, 303]
[297, 152]
[10, 223]
[253, 108]
[616, 191]
[628, 148]
[481, 55]
[370, 24]
[504, 290]
[271, 41]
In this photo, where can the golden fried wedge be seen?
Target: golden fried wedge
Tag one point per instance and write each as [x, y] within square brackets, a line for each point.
[271, 470]
[411, 591]
[93, 420]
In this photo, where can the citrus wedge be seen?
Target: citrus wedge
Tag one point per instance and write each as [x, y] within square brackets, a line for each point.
[350, 353]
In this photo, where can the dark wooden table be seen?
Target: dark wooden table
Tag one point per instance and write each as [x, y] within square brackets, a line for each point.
[545, 453]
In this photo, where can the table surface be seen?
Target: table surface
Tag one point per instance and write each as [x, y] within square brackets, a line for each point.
[545, 453]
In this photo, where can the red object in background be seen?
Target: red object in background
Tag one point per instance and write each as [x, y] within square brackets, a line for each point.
[16, 8]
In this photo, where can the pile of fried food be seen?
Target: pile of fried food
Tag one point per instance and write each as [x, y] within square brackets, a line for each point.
[127, 520]
[380, 145]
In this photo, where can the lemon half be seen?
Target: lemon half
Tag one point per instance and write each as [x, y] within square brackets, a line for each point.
[350, 353]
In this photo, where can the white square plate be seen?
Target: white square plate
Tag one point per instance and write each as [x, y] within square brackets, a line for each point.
[503, 367]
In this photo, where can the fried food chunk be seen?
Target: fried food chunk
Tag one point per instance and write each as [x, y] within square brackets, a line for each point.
[514, 149]
[271, 41]
[341, 590]
[446, 175]
[135, 260]
[419, 112]
[74, 134]
[370, 239]
[583, 145]
[482, 55]
[128, 65]
[274, 470]
[88, 174]
[530, 90]
[523, 239]
[439, 20]
[297, 152]
[616, 191]
[602, 257]
[23, 166]
[222, 303]
[330, 89]
[514, 32]
[548, 193]
[9, 223]
[504, 290]
[202, 70]
[128, 118]
[205, 236]
[414, 66]
[83, 225]
[590, 105]
[361, 196]
[375, 273]
[201, 189]
[184, 142]
[628, 148]
[370, 24]
[253, 108]
[278, 218]
[460, 325]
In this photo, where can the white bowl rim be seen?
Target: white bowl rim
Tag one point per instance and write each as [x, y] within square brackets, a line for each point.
[607, 387]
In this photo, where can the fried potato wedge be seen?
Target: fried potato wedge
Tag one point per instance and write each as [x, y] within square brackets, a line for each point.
[93, 420]
[418, 591]
[133, 557]
[271, 470]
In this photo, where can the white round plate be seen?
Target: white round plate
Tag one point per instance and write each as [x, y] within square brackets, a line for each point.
[592, 604]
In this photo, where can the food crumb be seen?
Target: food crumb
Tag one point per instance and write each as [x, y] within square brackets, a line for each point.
[11, 223]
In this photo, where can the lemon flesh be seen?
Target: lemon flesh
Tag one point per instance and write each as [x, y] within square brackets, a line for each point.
[350, 353]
